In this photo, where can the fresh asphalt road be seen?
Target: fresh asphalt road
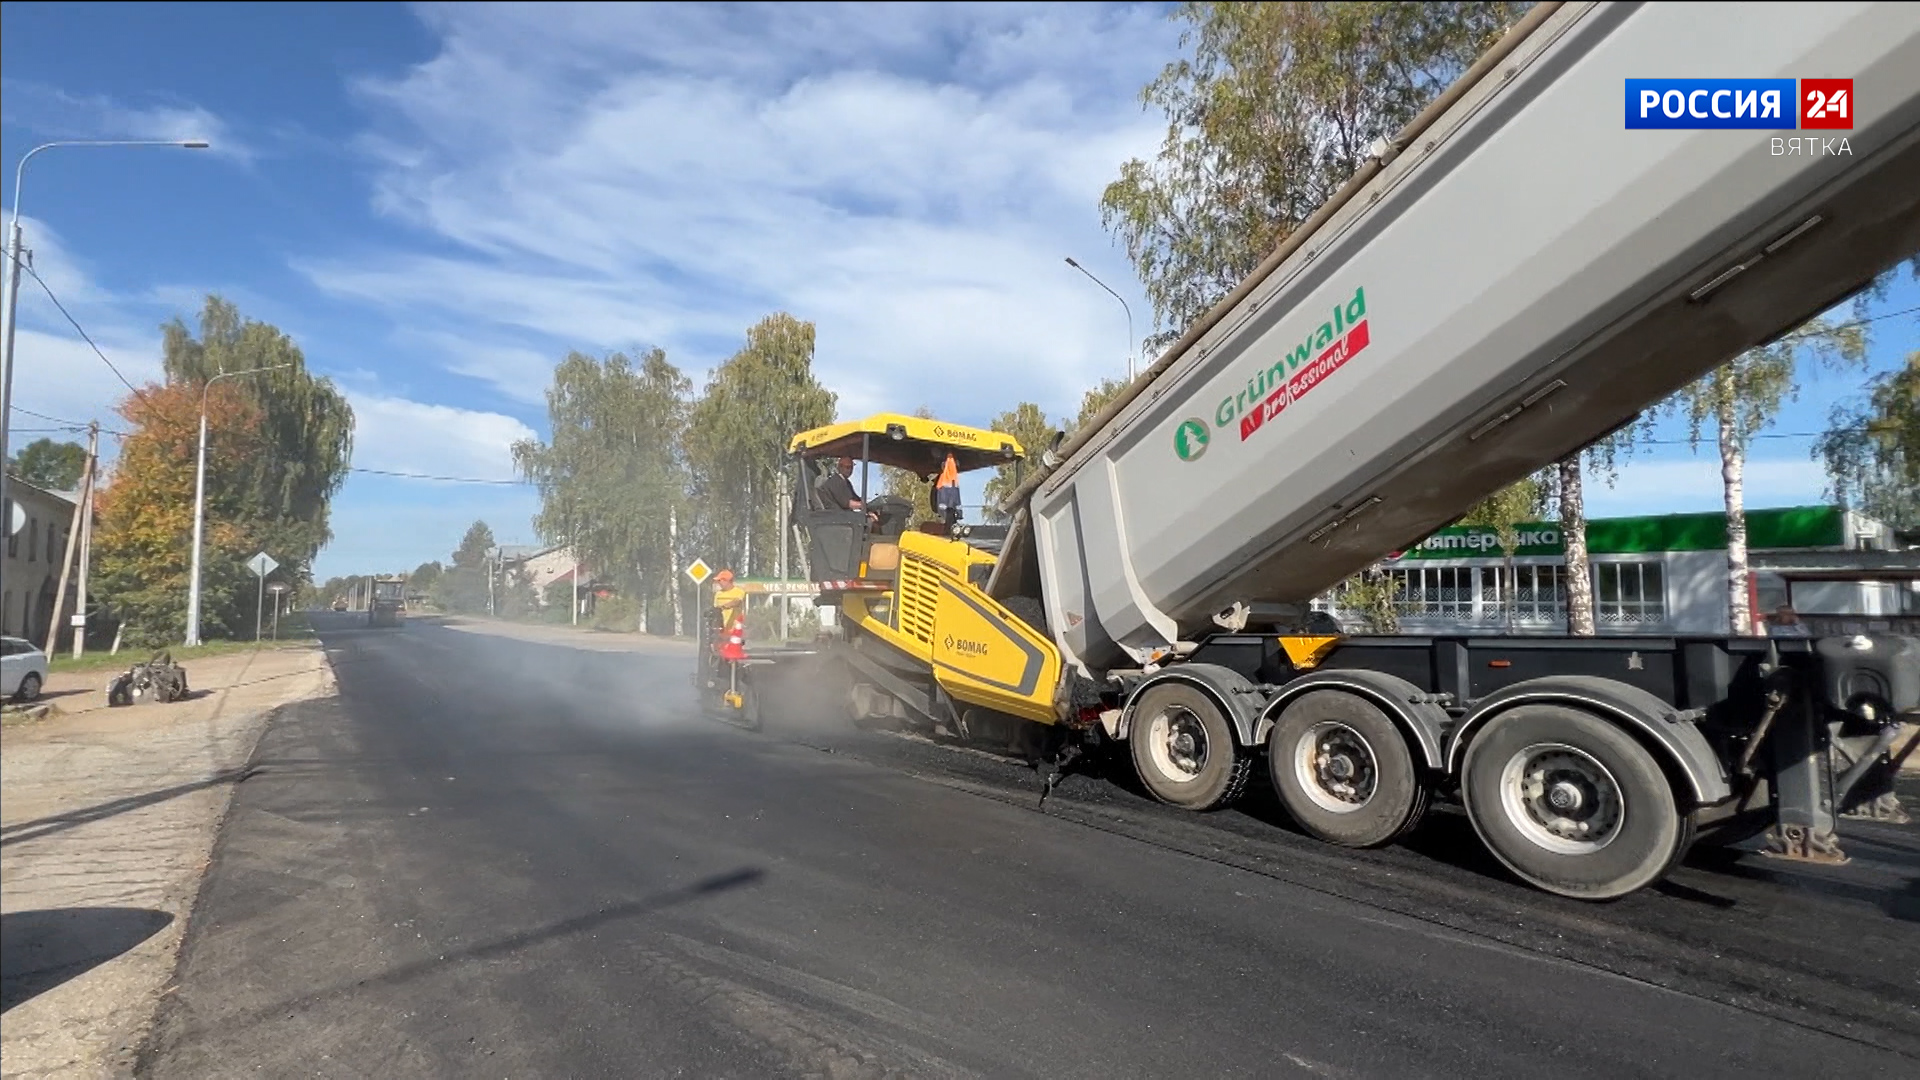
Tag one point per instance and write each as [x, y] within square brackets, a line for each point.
[494, 857]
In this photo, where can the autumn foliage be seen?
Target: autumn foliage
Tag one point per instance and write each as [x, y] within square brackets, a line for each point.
[144, 545]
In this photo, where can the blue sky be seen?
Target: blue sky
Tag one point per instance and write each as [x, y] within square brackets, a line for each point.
[438, 202]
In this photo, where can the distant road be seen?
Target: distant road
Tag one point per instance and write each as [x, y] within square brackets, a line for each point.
[495, 856]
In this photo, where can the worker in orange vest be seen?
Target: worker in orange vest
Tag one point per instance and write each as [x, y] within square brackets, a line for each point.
[730, 601]
[946, 493]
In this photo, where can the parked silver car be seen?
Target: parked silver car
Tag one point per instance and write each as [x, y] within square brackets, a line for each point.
[23, 669]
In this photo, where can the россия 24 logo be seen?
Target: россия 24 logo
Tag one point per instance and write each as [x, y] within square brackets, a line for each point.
[1756, 104]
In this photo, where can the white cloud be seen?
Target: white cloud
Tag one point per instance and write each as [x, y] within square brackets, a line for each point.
[1685, 485]
[397, 435]
[60, 114]
[910, 179]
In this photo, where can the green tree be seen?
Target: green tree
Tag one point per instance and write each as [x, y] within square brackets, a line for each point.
[145, 516]
[1738, 399]
[49, 465]
[424, 575]
[306, 422]
[1278, 105]
[1504, 512]
[737, 436]
[462, 587]
[326, 593]
[1097, 399]
[1372, 595]
[1027, 423]
[1872, 449]
[614, 472]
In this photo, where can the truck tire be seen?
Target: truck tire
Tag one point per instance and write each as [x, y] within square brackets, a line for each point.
[1184, 751]
[1571, 804]
[1344, 770]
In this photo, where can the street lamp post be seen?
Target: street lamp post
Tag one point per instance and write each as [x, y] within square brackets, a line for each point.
[9, 300]
[1123, 307]
[200, 502]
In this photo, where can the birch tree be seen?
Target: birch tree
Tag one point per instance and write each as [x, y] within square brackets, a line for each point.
[1735, 401]
[738, 432]
[306, 421]
[613, 473]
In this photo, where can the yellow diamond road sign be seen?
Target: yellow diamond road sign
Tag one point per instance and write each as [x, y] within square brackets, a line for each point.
[699, 572]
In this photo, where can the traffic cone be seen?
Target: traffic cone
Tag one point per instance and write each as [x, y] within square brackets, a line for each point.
[735, 650]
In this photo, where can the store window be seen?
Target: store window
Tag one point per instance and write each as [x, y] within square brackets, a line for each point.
[1434, 592]
[1539, 594]
[1629, 594]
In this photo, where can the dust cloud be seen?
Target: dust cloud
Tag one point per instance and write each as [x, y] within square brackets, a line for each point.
[619, 685]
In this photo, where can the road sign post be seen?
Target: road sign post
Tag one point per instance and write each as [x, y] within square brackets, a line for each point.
[278, 589]
[261, 564]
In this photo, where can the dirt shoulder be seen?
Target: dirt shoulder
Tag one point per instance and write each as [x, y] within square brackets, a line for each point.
[107, 823]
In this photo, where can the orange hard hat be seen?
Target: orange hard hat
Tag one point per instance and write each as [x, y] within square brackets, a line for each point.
[723, 576]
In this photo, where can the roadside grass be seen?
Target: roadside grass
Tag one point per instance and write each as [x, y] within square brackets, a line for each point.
[296, 631]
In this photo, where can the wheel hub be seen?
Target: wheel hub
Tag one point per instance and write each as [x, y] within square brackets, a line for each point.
[1335, 767]
[1179, 742]
[1562, 799]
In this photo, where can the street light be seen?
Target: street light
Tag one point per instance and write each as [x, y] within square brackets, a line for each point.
[200, 502]
[12, 290]
[1123, 306]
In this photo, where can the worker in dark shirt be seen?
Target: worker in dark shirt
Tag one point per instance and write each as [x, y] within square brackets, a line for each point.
[836, 488]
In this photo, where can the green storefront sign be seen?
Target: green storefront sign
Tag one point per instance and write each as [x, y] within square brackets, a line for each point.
[1783, 529]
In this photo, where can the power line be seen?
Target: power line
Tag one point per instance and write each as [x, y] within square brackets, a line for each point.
[446, 479]
[76, 324]
[1763, 435]
[44, 416]
[1863, 322]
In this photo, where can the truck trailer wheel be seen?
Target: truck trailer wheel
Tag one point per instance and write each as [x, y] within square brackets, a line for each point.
[1183, 749]
[1344, 770]
[1570, 803]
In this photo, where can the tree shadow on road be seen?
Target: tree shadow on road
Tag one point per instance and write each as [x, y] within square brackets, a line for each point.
[39, 950]
[47, 826]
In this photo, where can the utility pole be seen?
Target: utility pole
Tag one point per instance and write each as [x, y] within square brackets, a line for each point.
[86, 541]
[781, 570]
[200, 502]
[576, 573]
[73, 543]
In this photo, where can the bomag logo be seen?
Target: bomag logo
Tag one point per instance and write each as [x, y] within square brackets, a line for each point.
[964, 647]
[941, 431]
